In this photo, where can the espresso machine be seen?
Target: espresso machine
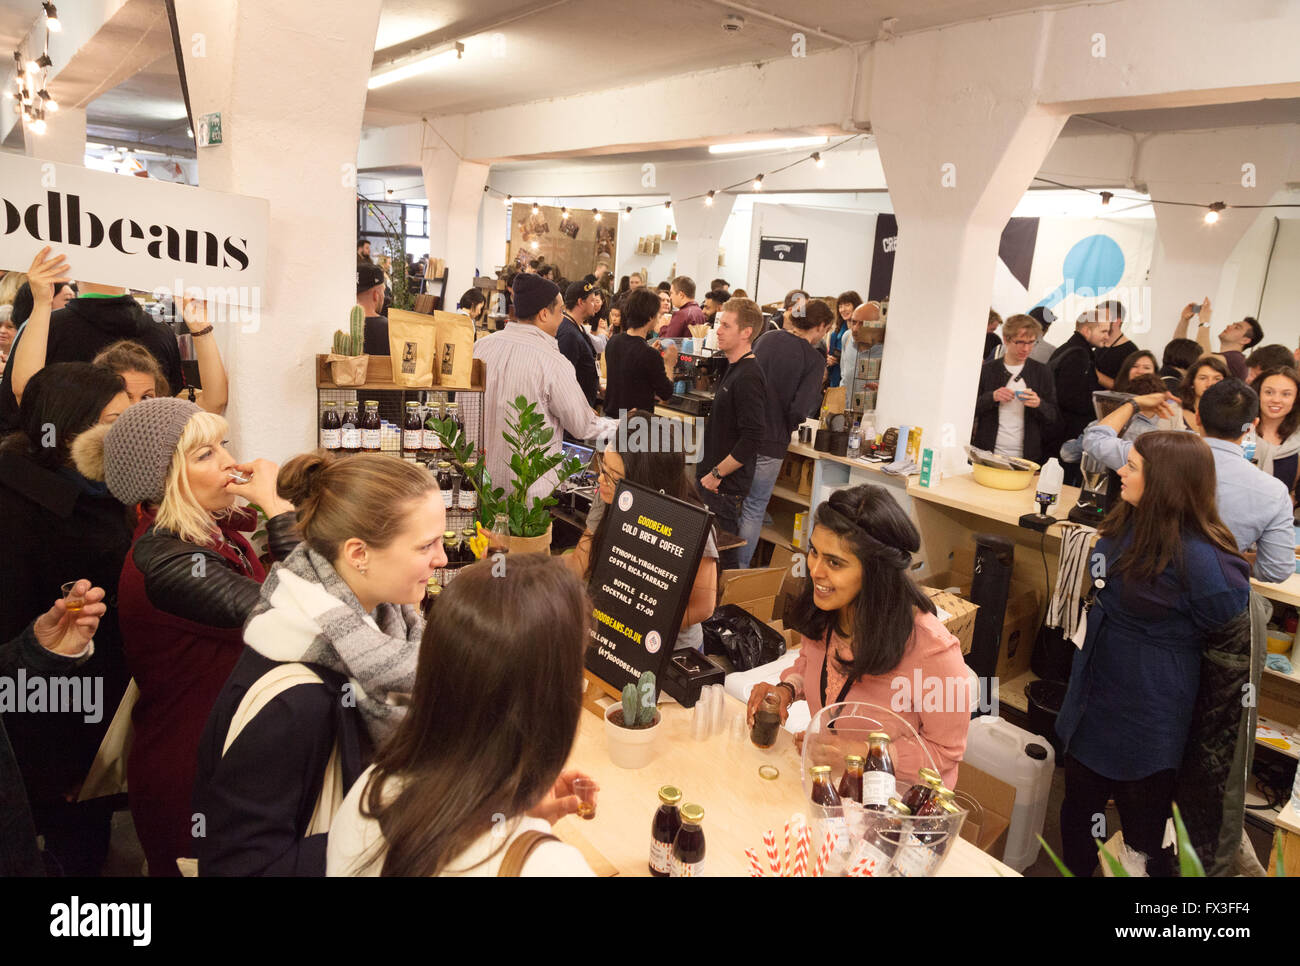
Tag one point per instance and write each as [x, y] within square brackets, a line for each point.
[695, 377]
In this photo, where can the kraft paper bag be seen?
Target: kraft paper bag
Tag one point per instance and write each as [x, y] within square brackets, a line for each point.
[413, 347]
[455, 360]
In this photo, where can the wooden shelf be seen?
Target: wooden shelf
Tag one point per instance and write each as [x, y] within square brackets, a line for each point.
[773, 537]
[379, 377]
[789, 495]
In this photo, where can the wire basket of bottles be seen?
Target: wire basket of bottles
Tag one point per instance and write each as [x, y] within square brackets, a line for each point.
[872, 782]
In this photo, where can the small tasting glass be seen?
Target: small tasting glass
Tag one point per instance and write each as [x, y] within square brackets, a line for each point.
[72, 601]
[585, 789]
[237, 477]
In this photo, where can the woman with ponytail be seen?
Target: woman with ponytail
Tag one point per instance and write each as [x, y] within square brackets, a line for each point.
[869, 634]
[187, 586]
[329, 664]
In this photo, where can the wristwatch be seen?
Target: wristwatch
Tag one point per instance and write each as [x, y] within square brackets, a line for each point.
[790, 687]
[715, 474]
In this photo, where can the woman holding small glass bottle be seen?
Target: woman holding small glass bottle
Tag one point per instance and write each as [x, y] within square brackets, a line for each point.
[859, 607]
[186, 587]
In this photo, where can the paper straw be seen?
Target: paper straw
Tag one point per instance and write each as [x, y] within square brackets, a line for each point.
[828, 843]
[755, 868]
[859, 869]
[801, 855]
[769, 842]
[786, 867]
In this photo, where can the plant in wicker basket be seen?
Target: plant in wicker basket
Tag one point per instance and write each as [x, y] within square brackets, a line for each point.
[528, 438]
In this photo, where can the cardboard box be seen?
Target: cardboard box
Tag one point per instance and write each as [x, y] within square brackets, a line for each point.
[1019, 631]
[789, 633]
[996, 799]
[961, 622]
[805, 478]
[755, 590]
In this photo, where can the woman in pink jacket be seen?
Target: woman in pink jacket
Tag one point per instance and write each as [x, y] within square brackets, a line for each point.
[888, 647]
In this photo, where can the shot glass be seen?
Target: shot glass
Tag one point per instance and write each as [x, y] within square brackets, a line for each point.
[71, 600]
[585, 789]
[237, 477]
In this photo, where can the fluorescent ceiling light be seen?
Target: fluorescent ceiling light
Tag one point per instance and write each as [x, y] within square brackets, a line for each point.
[776, 144]
[412, 66]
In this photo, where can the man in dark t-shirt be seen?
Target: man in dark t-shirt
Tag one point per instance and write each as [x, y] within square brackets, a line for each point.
[734, 430]
[370, 296]
[78, 331]
[635, 376]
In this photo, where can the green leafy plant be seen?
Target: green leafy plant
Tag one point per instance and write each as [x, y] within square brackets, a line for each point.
[395, 249]
[638, 712]
[528, 439]
[351, 343]
[1189, 864]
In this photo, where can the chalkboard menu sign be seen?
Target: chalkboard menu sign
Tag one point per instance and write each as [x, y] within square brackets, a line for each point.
[641, 582]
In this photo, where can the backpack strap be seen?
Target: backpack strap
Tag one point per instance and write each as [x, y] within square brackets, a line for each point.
[263, 691]
[512, 864]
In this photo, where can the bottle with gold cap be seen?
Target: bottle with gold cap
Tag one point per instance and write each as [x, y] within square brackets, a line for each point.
[928, 782]
[663, 831]
[451, 546]
[851, 780]
[878, 781]
[431, 591]
[688, 846]
[823, 792]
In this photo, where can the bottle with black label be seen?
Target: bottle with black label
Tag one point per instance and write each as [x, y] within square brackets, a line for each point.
[688, 846]
[371, 436]
[412, 432]
[350, 430]
[331, 436]
[663, 831]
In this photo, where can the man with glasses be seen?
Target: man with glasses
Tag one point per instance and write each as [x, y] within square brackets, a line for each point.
[1015, 410]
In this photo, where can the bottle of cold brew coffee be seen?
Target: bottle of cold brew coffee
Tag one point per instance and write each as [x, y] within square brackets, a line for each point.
[371, 436]
[467, 552]
[432, 446]
[878, 781]
[453, 413]
[851, 781]
[451, 546]
[767, 721]
[688, 846]
[350, 430]
[664, 826]
[331, 436]
[928, 782]
[468, 499]
[823, 792]
[444, 482]
[412, 432]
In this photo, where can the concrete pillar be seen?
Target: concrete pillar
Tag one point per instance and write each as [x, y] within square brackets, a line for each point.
[290, 82]
[960, 138]
[699, 232]
[454, 188]
[1237, 166]
[64, 139]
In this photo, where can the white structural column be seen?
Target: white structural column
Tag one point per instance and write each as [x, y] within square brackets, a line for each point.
[64, 139]
[960, 137]
[699, 232]
[290, 82]
[1244, 166]
[454, 188]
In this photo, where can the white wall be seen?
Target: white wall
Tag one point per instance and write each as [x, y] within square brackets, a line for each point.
[839, 244]
[1279, 315]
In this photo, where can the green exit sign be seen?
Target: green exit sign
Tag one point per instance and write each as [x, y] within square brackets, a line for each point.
[209, 130]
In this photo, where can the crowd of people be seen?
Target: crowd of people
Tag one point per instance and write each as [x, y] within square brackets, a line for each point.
[302, 706]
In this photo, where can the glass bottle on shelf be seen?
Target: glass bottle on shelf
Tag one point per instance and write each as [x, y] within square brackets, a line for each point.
[444, 482]
[499, 536]
[453, 413]
[467, 552]
[350, 429]
[451, 546]
[432, 445]
[371, 428]
[331, 428]
[468, 499]
[412, 432]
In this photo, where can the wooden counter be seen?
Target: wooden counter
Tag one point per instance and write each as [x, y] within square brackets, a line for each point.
[719, 774]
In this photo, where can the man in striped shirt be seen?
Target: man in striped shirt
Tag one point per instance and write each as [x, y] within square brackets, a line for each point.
[523, 359]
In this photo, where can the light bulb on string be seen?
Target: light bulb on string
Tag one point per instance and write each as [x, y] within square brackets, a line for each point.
[533, 244]
[595, 213]
[818, 159]
[1212, 215]
[52, 18]
[758, 183]
[668, 205]
[708, 199]
[1106, 196]
[536, 210]
[564, 212]
[627, 215]
[38, 125]
[507, 201]
[50, 103]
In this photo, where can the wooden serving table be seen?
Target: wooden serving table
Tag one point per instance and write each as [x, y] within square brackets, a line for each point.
[721, 775]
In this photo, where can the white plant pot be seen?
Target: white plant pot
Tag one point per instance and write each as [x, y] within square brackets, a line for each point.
[631, 747]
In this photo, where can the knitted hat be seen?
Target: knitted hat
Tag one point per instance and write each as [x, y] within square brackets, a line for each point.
[532, 293]
[136, 449]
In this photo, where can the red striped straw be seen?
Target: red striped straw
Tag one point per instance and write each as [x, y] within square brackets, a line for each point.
[755, 868]
[801, 854]
[823, 856]
[787, 848]
[773, 860]
[859, 869]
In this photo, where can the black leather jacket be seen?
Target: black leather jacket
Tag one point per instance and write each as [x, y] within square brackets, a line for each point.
[223, 597]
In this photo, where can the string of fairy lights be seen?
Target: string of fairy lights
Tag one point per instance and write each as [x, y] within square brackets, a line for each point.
[756, 184]
[31, 99]
[1212, 209]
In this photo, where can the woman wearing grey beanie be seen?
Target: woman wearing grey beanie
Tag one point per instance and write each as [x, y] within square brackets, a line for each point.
[186, 588]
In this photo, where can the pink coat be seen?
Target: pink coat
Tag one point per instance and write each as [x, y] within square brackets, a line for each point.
[928, 689]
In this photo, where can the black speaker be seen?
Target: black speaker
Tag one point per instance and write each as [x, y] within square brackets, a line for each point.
[990, 586]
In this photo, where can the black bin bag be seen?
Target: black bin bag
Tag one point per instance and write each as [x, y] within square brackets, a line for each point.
[745, 640]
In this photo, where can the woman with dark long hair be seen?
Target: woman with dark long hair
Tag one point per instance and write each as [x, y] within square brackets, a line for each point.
[869, 633]
[650, 450]
[474, 773]
[55, 523]
[1168, 581]
[1278, 450]
[1202, 374]
[1135, 364]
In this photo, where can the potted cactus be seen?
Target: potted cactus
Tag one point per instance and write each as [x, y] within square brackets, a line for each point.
[632, 725]
[348, 363]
